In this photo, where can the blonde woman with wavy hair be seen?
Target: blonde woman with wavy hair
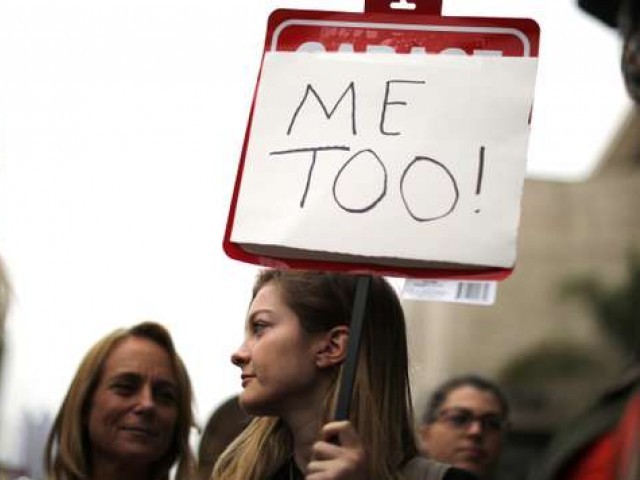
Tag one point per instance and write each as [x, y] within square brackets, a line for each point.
[296, 337]
[128, 412]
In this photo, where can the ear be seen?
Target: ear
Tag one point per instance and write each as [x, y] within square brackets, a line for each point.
[332, 347]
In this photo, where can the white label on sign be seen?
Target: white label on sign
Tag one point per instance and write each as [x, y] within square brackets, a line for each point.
[479, 293]
[406, 158]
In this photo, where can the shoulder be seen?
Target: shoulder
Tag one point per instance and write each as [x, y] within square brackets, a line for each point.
[422, 468]
[454, 473]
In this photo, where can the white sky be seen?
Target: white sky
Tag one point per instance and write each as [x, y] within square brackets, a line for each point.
[121, 124]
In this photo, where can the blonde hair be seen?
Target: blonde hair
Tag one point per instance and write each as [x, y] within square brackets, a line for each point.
[381, 409]
[68, 449]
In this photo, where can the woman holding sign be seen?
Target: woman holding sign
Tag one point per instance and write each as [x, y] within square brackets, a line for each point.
[296, 337]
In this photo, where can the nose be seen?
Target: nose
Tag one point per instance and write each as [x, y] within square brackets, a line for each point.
[145, 400]
[475, 427]
[241, 356]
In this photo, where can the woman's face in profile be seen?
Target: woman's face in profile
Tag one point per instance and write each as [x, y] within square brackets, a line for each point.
[133, 412]
[277, 358]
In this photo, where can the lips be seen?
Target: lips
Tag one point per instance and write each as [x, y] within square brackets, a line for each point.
[472, 453]
[245, 378]
[140, 431]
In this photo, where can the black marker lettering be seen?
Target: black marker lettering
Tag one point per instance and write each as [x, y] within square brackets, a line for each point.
[386, 102]
[456, 193]
[372, 204]
[327, 113]
[314, 151]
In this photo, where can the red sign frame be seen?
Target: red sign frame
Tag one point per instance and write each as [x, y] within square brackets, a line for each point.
[406, 32]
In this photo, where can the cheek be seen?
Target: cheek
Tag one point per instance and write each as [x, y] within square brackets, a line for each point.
[97, 425]
[494, 443]
[105, 412]
[170, 424]
[170, 420]
[280, 356]
[439, 441]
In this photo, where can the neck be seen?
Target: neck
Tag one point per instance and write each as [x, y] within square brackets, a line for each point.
[304, 418]
[106, 470]
[304, 426]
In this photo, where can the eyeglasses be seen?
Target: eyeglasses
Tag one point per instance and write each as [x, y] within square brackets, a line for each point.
[462, 418]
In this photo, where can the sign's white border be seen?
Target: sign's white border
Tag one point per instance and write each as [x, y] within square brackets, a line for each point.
[401, 26]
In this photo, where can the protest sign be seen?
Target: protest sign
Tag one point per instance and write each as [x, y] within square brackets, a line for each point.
[397, 148]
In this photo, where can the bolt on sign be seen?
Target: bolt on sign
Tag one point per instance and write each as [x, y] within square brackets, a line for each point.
[390, 141]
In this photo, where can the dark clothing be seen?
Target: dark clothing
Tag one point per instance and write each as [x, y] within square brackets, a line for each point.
[288, 471]
[457, 474]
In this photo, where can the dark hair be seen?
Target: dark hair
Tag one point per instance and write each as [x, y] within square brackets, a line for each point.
[439, 396]
[612, 12]
[226, 422]
[628, 17]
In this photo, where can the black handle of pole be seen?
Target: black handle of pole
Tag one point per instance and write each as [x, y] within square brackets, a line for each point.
[351, 362]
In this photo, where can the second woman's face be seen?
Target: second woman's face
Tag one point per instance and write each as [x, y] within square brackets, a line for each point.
[134, 409]
[277, 358]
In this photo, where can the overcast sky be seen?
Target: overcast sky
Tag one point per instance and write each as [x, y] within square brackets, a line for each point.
[121, 124]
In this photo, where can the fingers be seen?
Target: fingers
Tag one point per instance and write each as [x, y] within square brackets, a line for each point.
[343, 431]
[344, 460]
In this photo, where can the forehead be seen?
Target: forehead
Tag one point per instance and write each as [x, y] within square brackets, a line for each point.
[472, 398]
[269, 297]
[139, 355]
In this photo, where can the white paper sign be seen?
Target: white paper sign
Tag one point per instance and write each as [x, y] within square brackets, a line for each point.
[401, 159]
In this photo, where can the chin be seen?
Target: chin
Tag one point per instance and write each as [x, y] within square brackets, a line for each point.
[140, 456]
[256, 406]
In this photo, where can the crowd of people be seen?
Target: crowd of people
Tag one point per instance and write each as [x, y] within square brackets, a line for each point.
[128, 413]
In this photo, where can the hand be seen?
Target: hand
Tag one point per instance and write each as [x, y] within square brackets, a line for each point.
[344, 460]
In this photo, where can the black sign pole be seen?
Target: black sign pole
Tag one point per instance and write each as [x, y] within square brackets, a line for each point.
[351, 362]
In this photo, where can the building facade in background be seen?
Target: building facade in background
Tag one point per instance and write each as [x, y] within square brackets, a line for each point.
[568, 231]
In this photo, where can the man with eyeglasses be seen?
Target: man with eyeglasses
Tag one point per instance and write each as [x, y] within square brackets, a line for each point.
[464, 424]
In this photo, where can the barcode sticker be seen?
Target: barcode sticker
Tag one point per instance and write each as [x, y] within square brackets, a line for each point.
[455, 291]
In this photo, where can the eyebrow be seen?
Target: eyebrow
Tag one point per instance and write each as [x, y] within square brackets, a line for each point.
[253, 314]
[468, 409]
[136, 377]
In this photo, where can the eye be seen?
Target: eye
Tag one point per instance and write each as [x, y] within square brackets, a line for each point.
[460, 419]
[166, 395]
[493, 423]
[123, 387]
[258, 327]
